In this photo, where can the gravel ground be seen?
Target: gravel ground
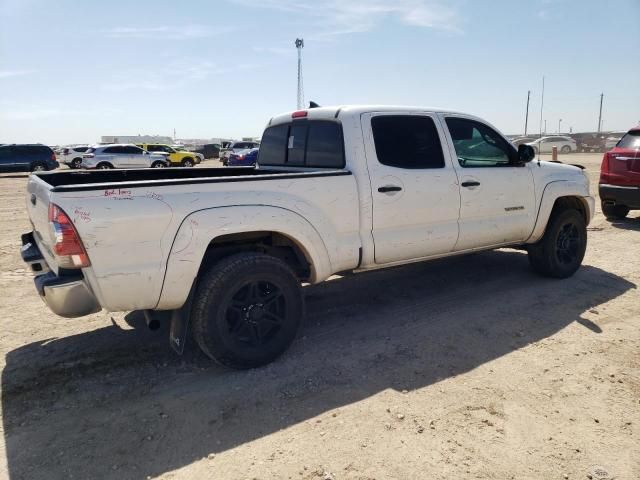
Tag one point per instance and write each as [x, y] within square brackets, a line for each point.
[471, 367]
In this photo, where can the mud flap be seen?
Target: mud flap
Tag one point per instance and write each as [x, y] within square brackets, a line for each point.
[180, 320]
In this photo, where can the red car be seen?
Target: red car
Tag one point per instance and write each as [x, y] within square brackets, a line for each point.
[620, 177]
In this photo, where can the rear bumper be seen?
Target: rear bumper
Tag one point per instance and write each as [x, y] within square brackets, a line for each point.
[619, 195]
[66, 295]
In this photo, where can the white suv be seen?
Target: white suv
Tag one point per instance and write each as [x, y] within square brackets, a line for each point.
[122, 156]
[72, 155]
[546, 144]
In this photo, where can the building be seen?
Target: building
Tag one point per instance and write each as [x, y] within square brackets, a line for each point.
[136, 139]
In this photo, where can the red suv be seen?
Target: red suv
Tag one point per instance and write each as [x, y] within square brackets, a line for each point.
[620, 177]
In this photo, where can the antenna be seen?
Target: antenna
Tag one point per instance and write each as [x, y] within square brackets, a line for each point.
[300, 46]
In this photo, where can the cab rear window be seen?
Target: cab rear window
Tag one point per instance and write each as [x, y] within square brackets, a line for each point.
[314, 143]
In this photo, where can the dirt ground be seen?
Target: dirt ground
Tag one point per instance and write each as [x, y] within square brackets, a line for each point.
[471, 367]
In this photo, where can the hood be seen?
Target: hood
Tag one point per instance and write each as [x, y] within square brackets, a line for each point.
[547, 172]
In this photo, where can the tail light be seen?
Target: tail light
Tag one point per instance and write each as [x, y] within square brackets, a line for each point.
[67, 246]
[53, 156]
[299, 114]
[605, 168]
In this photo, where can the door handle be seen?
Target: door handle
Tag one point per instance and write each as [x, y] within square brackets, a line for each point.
[389, 188]
[470, 184]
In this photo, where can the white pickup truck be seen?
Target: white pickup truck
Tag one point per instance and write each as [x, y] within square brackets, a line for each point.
[336, 189]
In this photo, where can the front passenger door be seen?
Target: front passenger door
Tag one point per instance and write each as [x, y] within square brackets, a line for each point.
[496, 191]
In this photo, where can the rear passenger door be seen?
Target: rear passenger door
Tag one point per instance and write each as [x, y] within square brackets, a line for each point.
[416, 199]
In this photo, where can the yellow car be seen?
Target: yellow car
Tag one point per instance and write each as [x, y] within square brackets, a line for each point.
[177, 158]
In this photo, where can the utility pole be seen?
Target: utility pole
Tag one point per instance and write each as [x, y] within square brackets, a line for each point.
[559, 122]
[600, 115]
[526, 117]
[545, 127]
[299, 47]
[542, 108]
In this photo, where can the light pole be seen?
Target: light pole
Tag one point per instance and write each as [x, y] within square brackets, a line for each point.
[545, 127]
[559, 123]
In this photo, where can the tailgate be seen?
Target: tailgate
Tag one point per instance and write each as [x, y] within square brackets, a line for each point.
[38, 198]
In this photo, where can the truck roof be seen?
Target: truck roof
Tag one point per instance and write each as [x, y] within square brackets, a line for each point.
[331, 112]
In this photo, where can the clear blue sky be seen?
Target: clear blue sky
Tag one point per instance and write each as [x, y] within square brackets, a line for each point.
[71, 70]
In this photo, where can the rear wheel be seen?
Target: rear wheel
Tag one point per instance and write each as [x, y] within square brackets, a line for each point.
[566, 149]
[158, 164]
[187, 162]
[616, 212]
[104, 166]
[247, 310]
[76, 163]
[560, 251]
[38, 167]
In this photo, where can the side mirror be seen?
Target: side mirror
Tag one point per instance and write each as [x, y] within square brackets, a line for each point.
[526, 153]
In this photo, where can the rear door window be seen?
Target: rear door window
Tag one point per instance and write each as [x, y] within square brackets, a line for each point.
[407, 141]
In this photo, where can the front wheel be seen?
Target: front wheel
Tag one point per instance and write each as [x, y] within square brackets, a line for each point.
[560, 251]
[104, 166]
[615, 212]
[158, 164]
[187, 162]
[566, 149]
[76, 163]
[247, 310]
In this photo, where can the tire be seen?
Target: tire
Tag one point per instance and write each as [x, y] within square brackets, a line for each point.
[38, 167]
[247, 310]
[187, 162]
[614, 212]
[76, 163]
[560, 251]
[104, 166]
[158, 164]
[565, 149]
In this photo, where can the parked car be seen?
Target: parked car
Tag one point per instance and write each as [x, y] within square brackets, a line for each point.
[546, 144]
[235, 147]
[336, 189]
[209, 150]
[243, 158]
[620, 177]
[72, 156]
[177, 158]
[26, 158]
[612, 139]
[122, 156]
[589, 142]
[520, 140]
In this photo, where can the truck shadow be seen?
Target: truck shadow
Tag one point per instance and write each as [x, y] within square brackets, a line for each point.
[117, 403]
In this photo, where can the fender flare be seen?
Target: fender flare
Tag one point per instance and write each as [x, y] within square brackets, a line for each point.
[552, 192]
[200, 228]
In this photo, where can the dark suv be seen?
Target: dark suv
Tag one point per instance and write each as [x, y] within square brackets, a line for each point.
[26, 158]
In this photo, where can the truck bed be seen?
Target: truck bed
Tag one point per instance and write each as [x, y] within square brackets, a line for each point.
[78, 180]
